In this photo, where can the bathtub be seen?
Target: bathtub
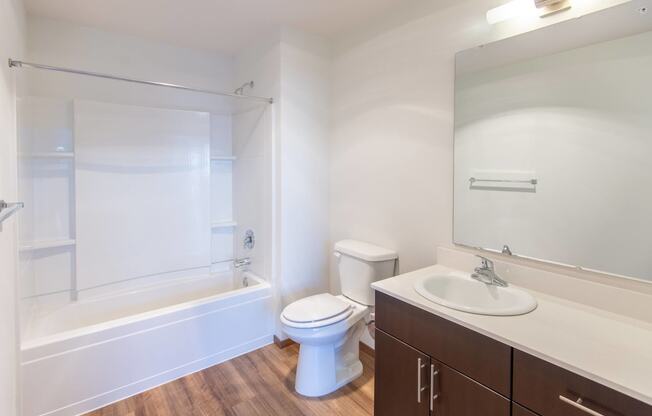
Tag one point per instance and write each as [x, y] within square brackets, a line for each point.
[87, 354]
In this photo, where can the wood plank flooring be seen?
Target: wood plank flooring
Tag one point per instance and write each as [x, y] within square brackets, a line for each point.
[260, 383]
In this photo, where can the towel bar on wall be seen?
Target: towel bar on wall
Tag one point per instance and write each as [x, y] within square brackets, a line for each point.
[527, 181]
[7, 209]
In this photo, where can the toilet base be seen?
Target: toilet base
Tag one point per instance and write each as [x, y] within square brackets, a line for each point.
[322, 369]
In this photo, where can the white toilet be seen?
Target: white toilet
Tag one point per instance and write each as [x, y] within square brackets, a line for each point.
[328, 328]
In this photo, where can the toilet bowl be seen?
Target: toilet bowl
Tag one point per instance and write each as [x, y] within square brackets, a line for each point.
[328, 328]
[328, 357]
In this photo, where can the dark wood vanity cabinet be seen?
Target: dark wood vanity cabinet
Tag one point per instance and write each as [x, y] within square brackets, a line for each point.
[412, 383]
[427, 365]
[420, 357]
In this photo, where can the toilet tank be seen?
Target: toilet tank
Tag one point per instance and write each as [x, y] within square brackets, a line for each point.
[360, 264]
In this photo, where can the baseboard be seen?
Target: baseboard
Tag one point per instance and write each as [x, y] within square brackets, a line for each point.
[284, 343]
[367, 349]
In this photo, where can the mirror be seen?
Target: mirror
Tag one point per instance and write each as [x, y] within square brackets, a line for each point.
[553, 144]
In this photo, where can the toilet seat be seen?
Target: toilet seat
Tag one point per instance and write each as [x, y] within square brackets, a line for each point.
[316, 311]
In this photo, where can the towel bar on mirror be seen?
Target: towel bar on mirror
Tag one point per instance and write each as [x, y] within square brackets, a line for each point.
[528, 181]
[7, 209]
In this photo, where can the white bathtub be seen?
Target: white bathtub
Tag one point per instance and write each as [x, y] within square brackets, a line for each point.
[90, 353]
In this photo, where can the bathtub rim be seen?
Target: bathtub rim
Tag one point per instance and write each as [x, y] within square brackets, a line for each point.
[29, 347]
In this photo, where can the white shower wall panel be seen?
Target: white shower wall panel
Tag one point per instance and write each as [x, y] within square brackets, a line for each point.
[221, 127]
[142, 185]
[52, 199]
[45, 124]
[222, 245]
[221, 191]
[51, 270]
[250, 133]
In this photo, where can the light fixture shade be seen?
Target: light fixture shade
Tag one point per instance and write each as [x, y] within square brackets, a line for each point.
[513, 9]
[545, 3]
[521, 8]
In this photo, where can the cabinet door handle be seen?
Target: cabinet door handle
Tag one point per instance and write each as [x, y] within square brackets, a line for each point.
[578, 405]
[419, 388]
[433, 396]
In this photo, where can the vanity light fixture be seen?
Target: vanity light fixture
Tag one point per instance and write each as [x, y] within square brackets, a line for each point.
[524, 8]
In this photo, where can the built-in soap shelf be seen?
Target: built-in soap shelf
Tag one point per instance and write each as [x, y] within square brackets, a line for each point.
[224, 224]
[222, 158]
[70, 155]
[48, 155]
[46, 244]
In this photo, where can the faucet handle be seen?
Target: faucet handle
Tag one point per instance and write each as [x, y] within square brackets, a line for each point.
[486, 263]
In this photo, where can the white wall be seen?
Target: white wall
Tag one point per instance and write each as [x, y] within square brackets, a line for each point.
[392, 142]
[254, 132]
[64, 44]
[262, 63]
[391, 159]
[294, 68]
[11, 45]
[304, 152]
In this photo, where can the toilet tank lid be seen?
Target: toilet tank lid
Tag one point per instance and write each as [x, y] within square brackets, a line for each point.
[365, 251]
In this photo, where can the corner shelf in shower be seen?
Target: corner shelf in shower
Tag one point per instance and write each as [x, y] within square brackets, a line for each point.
[45, 244]
[222, 158]
[224, 224]
[48, 155]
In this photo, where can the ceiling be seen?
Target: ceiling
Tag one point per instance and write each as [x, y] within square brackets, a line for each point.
[217, 25]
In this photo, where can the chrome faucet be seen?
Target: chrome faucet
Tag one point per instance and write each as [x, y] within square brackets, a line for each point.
[241, 263]
[486, 273]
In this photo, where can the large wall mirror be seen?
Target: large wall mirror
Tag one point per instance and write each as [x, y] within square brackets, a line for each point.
[553, 143]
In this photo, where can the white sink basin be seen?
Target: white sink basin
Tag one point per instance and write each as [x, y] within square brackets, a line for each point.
[466, 294]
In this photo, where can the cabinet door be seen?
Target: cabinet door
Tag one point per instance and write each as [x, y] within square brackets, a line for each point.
[521, 411]
[457, 395]
[402, 377]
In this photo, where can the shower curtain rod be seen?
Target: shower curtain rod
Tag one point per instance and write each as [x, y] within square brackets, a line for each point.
[21, 64]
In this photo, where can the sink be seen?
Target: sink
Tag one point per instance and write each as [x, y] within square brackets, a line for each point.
[469, 295]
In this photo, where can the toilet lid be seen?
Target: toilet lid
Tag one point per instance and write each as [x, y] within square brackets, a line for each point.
[316, 308]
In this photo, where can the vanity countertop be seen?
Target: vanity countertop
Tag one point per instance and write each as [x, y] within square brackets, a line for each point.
[611, 349]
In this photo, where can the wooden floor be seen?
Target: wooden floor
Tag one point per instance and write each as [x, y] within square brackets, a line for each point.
[258, 383]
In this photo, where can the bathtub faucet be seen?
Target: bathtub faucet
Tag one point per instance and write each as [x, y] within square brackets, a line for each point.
[241, 263]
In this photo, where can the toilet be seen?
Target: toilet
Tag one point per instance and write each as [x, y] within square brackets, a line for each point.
[328, 328]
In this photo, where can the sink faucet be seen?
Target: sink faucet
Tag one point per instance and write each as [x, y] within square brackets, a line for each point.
[486, 273]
